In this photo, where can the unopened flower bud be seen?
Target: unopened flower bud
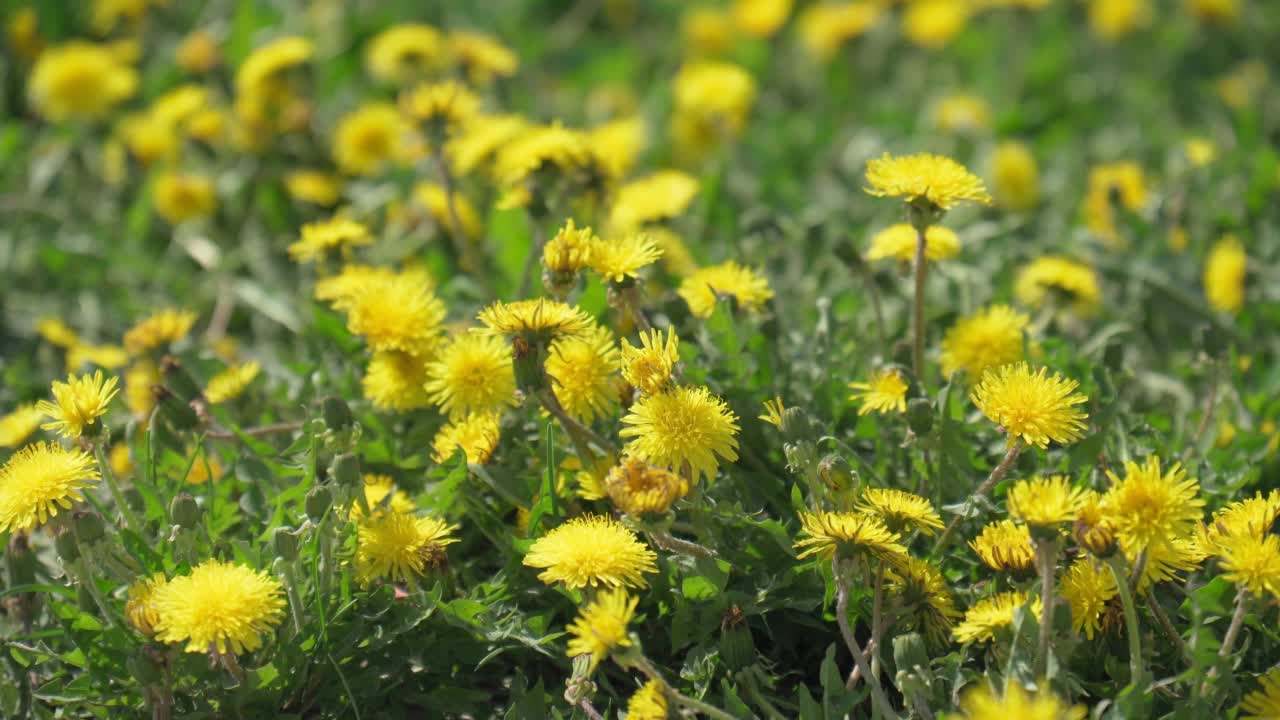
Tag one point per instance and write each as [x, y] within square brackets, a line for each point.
[67, 547]
[835, 473]
[185, 511]
[180, 415]
[178, 380]
[337, 414]
[920, 415]
[318, 502]
[286, 542]
[345, 471]
[88, 528]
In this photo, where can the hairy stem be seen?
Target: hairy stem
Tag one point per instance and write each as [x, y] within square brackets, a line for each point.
[999, 472]
[131, 520]
[1047, 555]
[671, 543]
[921, 269]
[1132, 628]
[879, 702]
[1229, 640]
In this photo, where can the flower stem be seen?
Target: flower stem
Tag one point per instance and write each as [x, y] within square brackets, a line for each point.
[877, 611]
[1132, 629]
[879, 702]
[131, 520]
[921, 269]
[580, 434]
[671, 543]
[1229, 640]
[999, 472]
[1047, 551]
[1167, 627]
[468, 259]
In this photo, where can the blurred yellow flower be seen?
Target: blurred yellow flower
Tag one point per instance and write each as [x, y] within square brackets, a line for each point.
[480, 138]
[22, 32]
[1113, 19]
[1240, 87]
[1215, 12]
[962, 113]
[1113, 186]
[139, 381]
[475, 435]
[399, 313]
[396, 381]
[981, 703]
[656, 197]
[761, 18]
[482, 56]
[569, 251]
[262, 72]
[992, 615]
[405, 53]
[932, 24]
[231, 382]
[313, 186]
[712, 101]
[1015, 176]
[704, 288]
[370, 138]
[78, 402]
[320, 239]
[1057, 279]
[79, 81]
[1263, 703]
[19, 424]
[899, 243]
[160, 328]
[617, 144]
[601, 626]
[56, 332]
[825, 26]
[445, 105]
[179, 197]
[884, 392]
[648, 703]
[432, 197]
[1200, 151]
[991, 337]
[707, 30]
[198, 52]
[1224, 275]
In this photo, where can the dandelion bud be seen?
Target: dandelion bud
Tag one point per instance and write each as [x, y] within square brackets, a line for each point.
[835, 473]
[1096, 537]
[737, 647]
[67, 548]
[920, 415]
[185, 511]
[796, 425]
[88, 528]
[336, 412]
[527, 359]
[345, 471]
[286, 543]
[637, 488]
[318, 502]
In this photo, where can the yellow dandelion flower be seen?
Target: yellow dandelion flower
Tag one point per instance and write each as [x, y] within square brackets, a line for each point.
[601, 626]
[396, 381]
[1165, 560]
[591, 551]
[1087, 587]
[761, 18]
[198, 52]
[539, 146]
[900, 510]
[203, 470]
[676, 257]
[1015, 176]
[231, 382]
[56, 332]
[745, 286]
[20, 424]
[340, 289]
[1111, 186]
[648, 703]
[476, 435]
[621, 258]
[1263, 703]
[380, 494]
[707, 31]
[1215, 12]
[650, 366]
[1034, 407]
[918, 590]
[538, 316]
[79, 80]
[989, 338]
[659, 196]
[1053, 277]
[78, 402]
[1147, 506]
[962, 113]
[848, 534]
[1240, 86]
[138, 383]
[884, 392]
[1045, 502]
[447, 104]
[991, 615]
[139, 608]
[1253, 516]
[478, 139]
[22, 33]
[38, 480]
[472, 374]
[1113, 19]
[404, 53]
[179, 197]
[1251, 563]
[570, 250]
[319, 239]
[219, 606]
[1178, 240]
[1200, 151]
[313, 186]
[899, 242]
[826, 26]
[686, 429]
[637, 488]
[981, 703]
[1005, 545]
[370, 138]
[712, 101]
[1092, 530]
[399, 313]
[109, 357]
[583, 370]
[482, 56]
[931, 24]
[432, 197]
[1224, 274]
[937, 180]
[262, 70]
[400, 547]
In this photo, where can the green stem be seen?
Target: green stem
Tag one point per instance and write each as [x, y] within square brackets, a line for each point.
[1132, 629]
[1229, 640]
[580, 434]
[1047, 552]
[671, 543]
[649, 669]
[999, 472]
[879, 701]
[131, 520]
[921, 266]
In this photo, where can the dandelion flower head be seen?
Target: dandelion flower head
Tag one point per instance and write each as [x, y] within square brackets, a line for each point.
[989, 338]
[40, 479]
[682, 428]
[898, 242]
[601, 626]
[701, 290]
[884, 392]
[218, 606]
[591, 551]
[937, 180]
[400, 547]
[1034, 407]
[650, 366]
[78, 403]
